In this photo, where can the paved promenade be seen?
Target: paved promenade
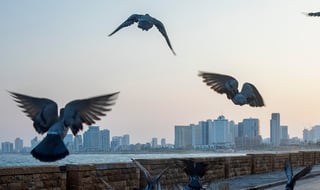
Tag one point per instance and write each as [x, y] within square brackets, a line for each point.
[274, 181]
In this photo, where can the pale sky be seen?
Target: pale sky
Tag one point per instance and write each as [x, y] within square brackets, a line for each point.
[61, 50]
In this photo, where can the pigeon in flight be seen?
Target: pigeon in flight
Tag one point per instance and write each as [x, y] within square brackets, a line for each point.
[194, 170]
[153, 182]
[44, 114]
[145, 22]
[229, 85]
[313, 14]
[292, 179]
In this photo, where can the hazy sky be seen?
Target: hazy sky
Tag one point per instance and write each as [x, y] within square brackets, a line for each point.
[61, 50]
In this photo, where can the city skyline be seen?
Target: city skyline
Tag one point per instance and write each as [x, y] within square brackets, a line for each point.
[63, 52]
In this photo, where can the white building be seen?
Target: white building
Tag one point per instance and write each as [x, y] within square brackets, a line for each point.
[219, 131]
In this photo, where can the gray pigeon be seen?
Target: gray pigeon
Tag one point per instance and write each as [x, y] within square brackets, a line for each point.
[145, 22]
[293, 178]
[153, 182]
[229, 85]
[44, 114]
[313, 14]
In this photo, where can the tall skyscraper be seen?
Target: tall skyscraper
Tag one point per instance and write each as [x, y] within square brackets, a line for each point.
[125, 140]
[284, 136]
[116, 143]
[105, 140]
[275, 129]
[18, 145]
[249, 133]
[91, 139]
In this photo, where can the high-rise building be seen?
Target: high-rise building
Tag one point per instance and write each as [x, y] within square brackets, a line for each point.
[116, 143]
[183, 137]
[163, 142]
[77, 143]
[125, 140]
[284, 135]
[204, 129]
[249, 133]
[7, 147]
[105, 140]
[18, 145]
[154, 142]
[219, 131]
[275, 129]
[91, 139]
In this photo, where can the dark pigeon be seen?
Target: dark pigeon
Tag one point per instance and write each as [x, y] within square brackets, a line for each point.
[293, 178]
[153, 182]
[44, 114]
[145, 22]
[228, 85]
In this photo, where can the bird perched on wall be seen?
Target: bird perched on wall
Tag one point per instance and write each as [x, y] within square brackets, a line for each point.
[145, 22]
[228, 85]
[312, 14]
[293, 178]
[44, 114]
[195, 170]
[152, 182]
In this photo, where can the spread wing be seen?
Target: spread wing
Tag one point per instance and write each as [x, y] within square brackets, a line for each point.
[162, 30]
[87, 111]
[313, 14]
[253, 96]
[302, 173]
[144, 170]
[157, 177]
[221, 83]
[288, 171]
[132, 19]
[42, 111]
[192, 168]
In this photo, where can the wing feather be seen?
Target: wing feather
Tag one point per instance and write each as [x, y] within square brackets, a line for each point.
[163, 31]
[221, 83]
[132, 19]
[144, 170]
[87, 110]
[252, 94]
[42, 111]
[302, 173]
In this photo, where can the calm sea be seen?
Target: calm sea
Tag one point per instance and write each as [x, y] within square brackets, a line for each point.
[9, 160]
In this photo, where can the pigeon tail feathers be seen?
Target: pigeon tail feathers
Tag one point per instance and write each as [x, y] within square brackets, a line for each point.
[50, 149]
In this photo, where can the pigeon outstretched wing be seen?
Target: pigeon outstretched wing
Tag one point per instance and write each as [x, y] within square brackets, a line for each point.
[42, 111]
[144, 170]
[87, 111]
[163, 31]
[252, 94]
[221, 83]
[302, 173]
[132, 19]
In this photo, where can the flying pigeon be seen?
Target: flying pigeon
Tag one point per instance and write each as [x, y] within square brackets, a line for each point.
[153, 182]
[145, 22]
[194, 170]
[44, 114]
[229, 85]
[313, 14]
[292, 179]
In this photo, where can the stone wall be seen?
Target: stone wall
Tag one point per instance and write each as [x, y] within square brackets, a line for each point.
[125, 176]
